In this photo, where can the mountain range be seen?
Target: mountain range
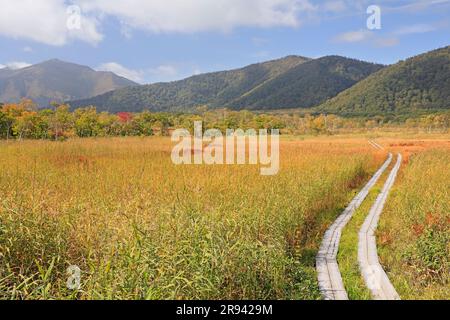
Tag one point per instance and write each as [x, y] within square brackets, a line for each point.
[290, 82]
[330, 84]
[56, 81]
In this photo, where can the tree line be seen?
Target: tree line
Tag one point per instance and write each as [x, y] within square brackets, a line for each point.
[24, 121]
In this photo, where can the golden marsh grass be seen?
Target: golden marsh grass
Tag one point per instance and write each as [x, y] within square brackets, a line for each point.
[140, 227]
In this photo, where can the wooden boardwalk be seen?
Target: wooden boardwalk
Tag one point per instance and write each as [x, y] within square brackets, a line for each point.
[374, 276]
[329, 276]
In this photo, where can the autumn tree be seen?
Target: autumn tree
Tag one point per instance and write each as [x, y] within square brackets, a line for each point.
[6, 123]
[11, 112]
[61, 122]
[86, 122]
[25, 124]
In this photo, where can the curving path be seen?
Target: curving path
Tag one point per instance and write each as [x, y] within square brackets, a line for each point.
[374, 276]
[330, 280]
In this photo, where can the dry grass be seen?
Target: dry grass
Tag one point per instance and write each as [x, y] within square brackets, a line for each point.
[414, 234]
[141, 228]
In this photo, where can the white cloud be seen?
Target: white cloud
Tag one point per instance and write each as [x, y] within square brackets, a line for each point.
[366, 36]
[134, 75]
[414, 29]
[15, 65]
[2, 66]
[387, 42]
[44, 21]
[335, 6]
[354, 36]
[160, 73]
[185, 16]
[417, 6]
[27, 49]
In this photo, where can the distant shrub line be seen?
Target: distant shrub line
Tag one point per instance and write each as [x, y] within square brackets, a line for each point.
[24, 121]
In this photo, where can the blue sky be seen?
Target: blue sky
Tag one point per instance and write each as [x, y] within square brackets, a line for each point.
[164, 40]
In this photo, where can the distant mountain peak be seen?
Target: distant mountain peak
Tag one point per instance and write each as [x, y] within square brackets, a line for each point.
[57, 80]
[60, 63]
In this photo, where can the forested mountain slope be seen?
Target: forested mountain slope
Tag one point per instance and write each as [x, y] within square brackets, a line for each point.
[421, 83]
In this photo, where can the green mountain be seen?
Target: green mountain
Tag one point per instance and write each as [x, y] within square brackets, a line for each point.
[419, 84]
[307, 85]
[57, 81]
[290, 82]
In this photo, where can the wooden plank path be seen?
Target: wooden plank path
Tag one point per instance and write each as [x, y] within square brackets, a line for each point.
[330, 280]
[374, 276]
